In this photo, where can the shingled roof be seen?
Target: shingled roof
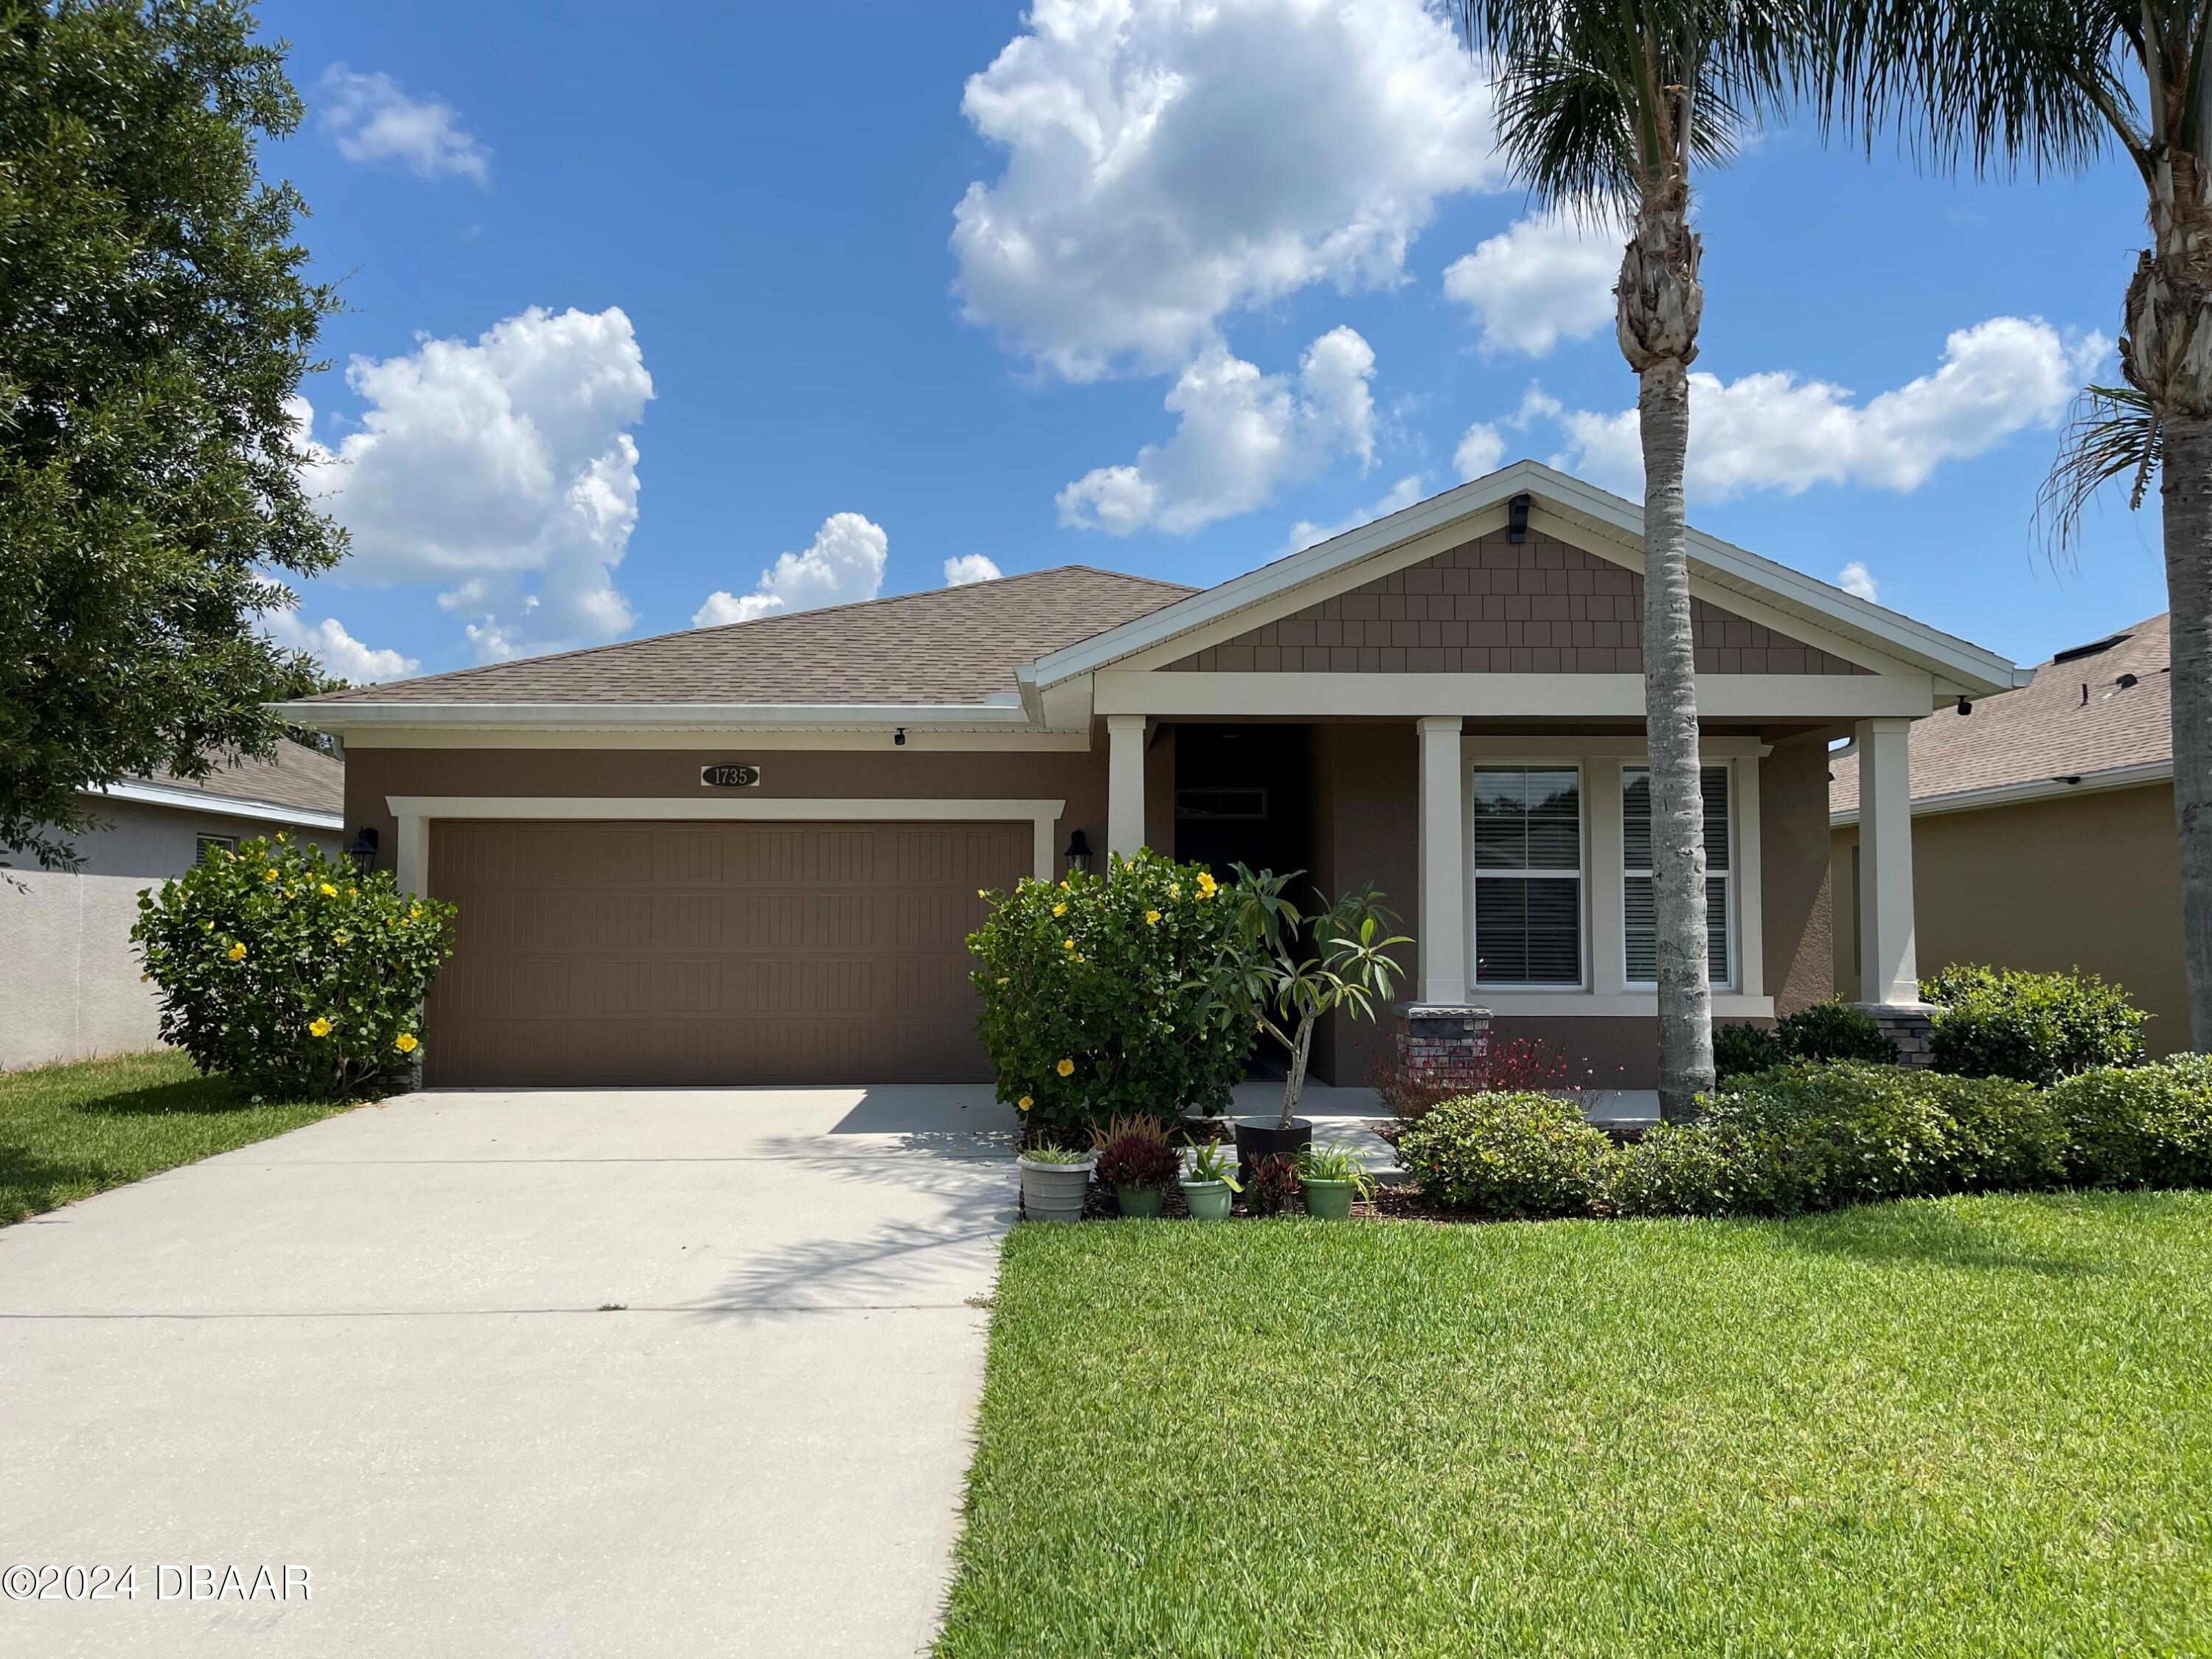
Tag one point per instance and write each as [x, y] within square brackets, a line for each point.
[2097, 708]
[948, 647]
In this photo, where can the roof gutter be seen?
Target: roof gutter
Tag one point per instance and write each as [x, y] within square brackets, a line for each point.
[224, 806]
[652, 716]
[2031, 789]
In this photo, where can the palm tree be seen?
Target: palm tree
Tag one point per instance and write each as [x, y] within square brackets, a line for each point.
[1604, 106]
[1997, 85]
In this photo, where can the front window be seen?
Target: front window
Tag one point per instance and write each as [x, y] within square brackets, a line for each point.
[1638, 918]
[1526, 827]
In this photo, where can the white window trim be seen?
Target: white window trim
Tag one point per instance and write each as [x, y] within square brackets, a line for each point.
[1607, 992]
[1476, 984]
[1732, 876]
[416, 812]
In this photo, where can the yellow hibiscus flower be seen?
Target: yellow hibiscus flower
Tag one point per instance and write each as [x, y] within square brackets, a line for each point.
[1065, 1068]
[1152, 918]
[1024, 1104]
[1174, 889]
[238, 950]
[318, 1027]
[1067, 945]
[405, 1042]
[1060, 909]
[329, 891]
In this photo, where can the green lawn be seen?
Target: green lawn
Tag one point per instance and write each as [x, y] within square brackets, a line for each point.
[1964, 1427]
[66, 1131]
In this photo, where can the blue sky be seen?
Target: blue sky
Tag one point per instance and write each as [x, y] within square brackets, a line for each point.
[635, 309]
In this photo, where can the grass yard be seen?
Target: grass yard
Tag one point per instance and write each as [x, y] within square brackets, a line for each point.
[1962, 1426]
[68, 1131]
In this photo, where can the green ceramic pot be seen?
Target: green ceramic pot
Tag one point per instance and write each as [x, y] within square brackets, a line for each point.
[1208, 1200]
[1330, 1200]
[1137, 1202]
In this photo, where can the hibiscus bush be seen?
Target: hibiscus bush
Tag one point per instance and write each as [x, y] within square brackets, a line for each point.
[1091, 1005]
[289, 970]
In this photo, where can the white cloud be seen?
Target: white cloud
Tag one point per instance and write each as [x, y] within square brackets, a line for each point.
[1169, 160]
[1241, 435]
[844, 562]
[339, 651]
[1306, 533]
[1772, 431]
[971, 568]
[371, 119]
[503, 466]
[1855, 578]
[1481, 449]
[1547, 278]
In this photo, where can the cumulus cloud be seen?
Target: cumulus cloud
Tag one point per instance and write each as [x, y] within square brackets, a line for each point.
[1855, 578]
[971, 568]
[339, 651]
[1547, 278]
[502, 466]
[843, 562]
[1306, 533]
[370, 118]
[1774, 431]
[1481, 447]
[1240, 436]
[1168, 161]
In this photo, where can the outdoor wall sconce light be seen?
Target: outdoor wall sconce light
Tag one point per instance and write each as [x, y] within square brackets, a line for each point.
[898, 738]
[1078, 851]
[362, 852]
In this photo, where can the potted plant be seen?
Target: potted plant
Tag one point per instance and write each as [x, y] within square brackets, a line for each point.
[1135, 1158]
[1332, 1176]
[1055, 1180]
[1207, 1184]
[1281, 971]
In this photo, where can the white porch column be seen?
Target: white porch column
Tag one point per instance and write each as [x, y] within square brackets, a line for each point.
[1888, 972]
[1441, 935]
[1125, 784]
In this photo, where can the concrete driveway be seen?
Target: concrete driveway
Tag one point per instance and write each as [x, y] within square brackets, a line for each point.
[681, 1373]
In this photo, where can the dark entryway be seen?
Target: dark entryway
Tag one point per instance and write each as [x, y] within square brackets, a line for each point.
[1242, 795]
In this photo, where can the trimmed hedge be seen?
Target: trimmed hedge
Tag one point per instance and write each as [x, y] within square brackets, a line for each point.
[1825, 1030]
[1817, 1136]
[2036, 1028]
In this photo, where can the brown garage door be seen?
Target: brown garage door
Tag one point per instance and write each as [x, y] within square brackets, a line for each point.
[712, 953]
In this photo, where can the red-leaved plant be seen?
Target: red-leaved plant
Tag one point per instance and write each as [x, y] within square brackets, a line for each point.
[1522, 1066]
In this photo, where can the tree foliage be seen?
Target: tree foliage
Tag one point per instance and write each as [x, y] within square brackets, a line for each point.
[155, 323]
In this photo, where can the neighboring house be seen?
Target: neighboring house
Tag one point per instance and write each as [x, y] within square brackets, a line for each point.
[2043, 832]
[69, 979]
[1447, 703]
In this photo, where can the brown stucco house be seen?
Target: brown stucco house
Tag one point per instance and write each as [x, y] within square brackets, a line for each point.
[2043, 830]
[750, 854]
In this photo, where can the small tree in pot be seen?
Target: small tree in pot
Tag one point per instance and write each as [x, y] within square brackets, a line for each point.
[1280, 971]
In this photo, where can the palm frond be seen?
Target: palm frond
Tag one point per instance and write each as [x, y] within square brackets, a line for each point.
[2112, 432]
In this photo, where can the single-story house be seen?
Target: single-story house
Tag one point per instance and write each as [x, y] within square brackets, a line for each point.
[2043, 830]
[750, 854]
[69, 986]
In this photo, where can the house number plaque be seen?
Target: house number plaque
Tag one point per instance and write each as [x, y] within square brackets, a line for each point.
[730, 776]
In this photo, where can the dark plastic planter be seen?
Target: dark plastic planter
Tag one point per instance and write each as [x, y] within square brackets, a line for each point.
[1259, 1137]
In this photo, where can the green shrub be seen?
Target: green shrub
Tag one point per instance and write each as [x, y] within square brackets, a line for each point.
[1508, 1155]
[289, 971]
[1091, 1005]
[1816, 1135]
[2146, 1126]
[1835, 1031]
[2036, 1028]
[1742, 1051]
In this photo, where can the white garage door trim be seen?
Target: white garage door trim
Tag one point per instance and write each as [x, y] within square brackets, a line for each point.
[415, 813]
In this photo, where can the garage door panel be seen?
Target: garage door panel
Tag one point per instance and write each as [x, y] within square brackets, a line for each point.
[724, 953]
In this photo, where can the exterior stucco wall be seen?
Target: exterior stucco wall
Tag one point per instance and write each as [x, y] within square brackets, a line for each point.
[1797, 901]
[2091, 882]
[1367, 791]
[69, 981]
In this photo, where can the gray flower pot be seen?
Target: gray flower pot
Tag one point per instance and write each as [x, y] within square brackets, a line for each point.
[1055, 1192]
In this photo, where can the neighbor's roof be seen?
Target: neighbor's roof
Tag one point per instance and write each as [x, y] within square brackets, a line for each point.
[2102, 708]
[296, 784]
[950, 646]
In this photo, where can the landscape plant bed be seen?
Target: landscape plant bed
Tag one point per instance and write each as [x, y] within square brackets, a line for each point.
[1977, 1424]
[69, 1131]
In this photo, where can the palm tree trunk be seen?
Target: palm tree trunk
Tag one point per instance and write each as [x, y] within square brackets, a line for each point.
[2185, 491]
[1660, 303]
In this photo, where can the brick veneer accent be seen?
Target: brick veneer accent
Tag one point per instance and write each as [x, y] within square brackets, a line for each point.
[1910, 1026]
[1498, 607]
[1444, 1043]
